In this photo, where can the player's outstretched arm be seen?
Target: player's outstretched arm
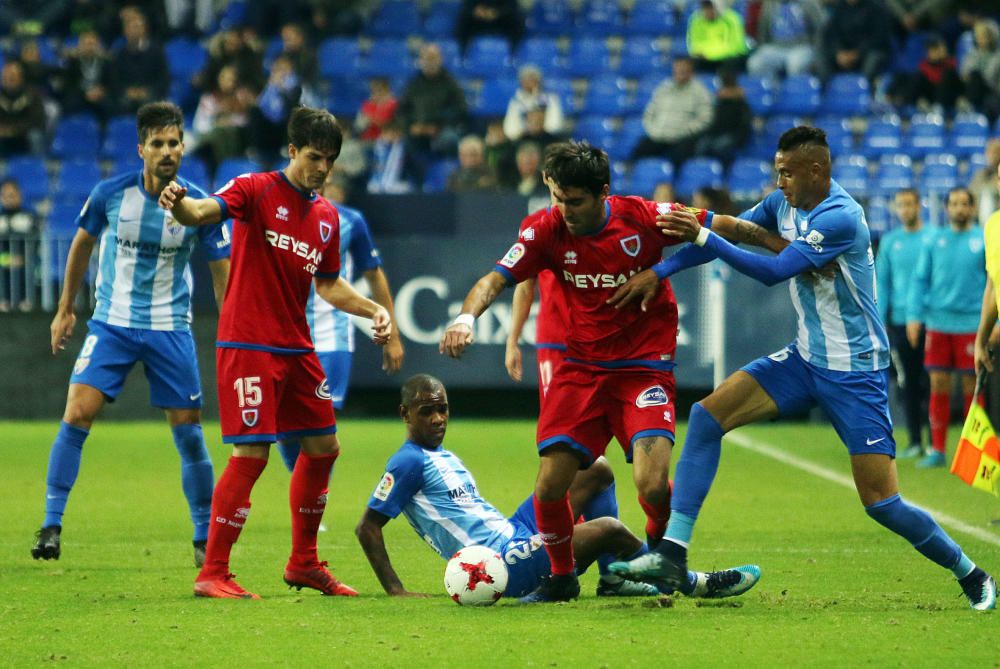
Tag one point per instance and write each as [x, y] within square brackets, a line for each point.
[220, 279]
[458, 335]
[744, 232]
[392, 354]
[342, 295]
[188, 211]
[64, 321]
[524, 295]
[369, 533]
[987, 324]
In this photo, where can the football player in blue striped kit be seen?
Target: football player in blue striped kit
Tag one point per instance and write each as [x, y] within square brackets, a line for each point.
[838, 360]
[143, 314]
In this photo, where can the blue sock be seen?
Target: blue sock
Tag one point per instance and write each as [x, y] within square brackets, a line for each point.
[605, 503]
[916, 526]
[197, 478]
[694, 474]
[64, 466]
[289, 453]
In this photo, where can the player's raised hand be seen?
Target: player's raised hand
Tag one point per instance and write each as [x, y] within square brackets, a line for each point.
[61, 329]
[171, 195]
[512, 361]
[381, 326]
[679, 223]
[455, 339]
[392, 355]
[643, 286]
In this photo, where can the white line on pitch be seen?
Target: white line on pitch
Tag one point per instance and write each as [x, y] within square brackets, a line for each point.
[951, 522]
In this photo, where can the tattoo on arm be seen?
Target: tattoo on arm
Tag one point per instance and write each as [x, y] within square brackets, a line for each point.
[755, 235]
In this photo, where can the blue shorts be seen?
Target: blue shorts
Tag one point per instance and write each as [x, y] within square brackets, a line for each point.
[527, 561]
[337, 365]
[168, 357]
[857, 403]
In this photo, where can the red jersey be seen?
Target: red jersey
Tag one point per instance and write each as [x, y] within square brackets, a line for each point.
[550, 321]
[588, 269]
[282, 238]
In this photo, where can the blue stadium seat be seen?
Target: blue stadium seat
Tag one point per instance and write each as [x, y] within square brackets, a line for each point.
[640, 56]
[552, 17]
[76, 136]
[851, 172]
[194, 170]
[491, 102]
[966, 44]
[233, 167]
[185, 57]
[775, 126]
[436, 179]
[939, 174]
[839, 134]
[540, 51]
[847, 94]
[910, 53]
[619, 170]
[387, 57]
[608, 96]
[646, 86]
[879, 216]
[31, 175]
[441, 19]
[655, 18]
[600, 18]
[748, 178]
[699, 172]
[630, 134]
[119, 137]
[895, 171]
[395, 18]
[345, 96]
[647, 173]
[451, 54]
[969, 134]
[798, 94]
[883, 135]
[338, 57]
[130, 162]
[759, 147]
[760, 93]
[597, 130]
[487, 57]
[926, 135]
[587, 57]
[76, 178]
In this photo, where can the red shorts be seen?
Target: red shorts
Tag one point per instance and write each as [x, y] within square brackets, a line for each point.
[267, 397]
[944, 351]
[585, 407]
[549, 360]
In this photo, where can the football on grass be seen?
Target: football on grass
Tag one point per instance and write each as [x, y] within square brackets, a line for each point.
[475, 576]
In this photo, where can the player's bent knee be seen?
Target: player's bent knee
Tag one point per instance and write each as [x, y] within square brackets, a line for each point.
[600, 474]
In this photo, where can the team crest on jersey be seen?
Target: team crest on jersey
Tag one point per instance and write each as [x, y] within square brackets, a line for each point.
[631, 245]
[384, 487]
[250, 417]
[173, 227]
[515, 253]
[281, 214]
[325, 230]
[323, 391]
[569, 258]
[651, 397]
[814, 239]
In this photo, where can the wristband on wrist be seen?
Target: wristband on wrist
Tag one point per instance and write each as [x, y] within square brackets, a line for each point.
[702, 237]
[660, 269]
[464, 319]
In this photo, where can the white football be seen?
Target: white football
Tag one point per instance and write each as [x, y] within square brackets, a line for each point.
[475, 576]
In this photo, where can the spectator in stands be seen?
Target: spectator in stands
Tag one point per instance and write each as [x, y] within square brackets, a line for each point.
[528, 97]
[140, 66]
[19, 231]
[732, 120]
[788, 32]
[352, 163]
[222, 118]
[914, 15]
[295, 46]
[715, 37]
[338, 17]
[855, 39]
[936, 83]
[984, 182]
[489, 17]
[473, 172]
[391, 171]
[432, 110]
[676, 116]
[664, 192]
[499, 152]
[264, 17]
[231, 46]
[30, 17]
[22, 113]
[535, 130]
[37, 73]
[980, 69]
[715, 199]
[529, 171]
[269, 116]
[376, 111]
[87, 79]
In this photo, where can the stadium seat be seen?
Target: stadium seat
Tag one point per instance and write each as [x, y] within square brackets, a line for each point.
[76, 178]
[798, 94]
[926, 135]
[748, 178]
[630, 134]
[851, 172]
[597, 130]
[600, 18]
[395, 18]
[655, 18]
[587, 57]
[387, 57]
[939, 174]
[883, 135]
[194, 170]
[31, 175]
[839, 134]
[346, 95]
[759, 93]
[436, 179]
[451, 54]
[441, 19]
[647, 173]
[76, 136]
[234, 167]
[759, 146]
[908, 56]
[487, 57]
[338, 57]
[493, 97]
[646, 86]
[969, 134]
[540, 51]
[608, 96]
[847, 94]
[879, 216]
[699, 172]
[185, 57]
[775, 126]
[895, 172]
[552, 17]
[640, 56]
[119, 137]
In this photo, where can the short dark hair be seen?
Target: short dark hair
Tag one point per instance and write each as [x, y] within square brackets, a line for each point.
[909, 191]
[962, 189]
[155, 115]
[416, 384]
[803, 135]
[577, 165]
[317, 128]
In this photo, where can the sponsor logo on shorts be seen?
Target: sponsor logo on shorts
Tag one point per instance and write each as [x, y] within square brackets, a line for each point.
[194, 397]
[384, 487]
[323, 391]
[250, 417]
[631, 245]
[515, 253]
[871, 442]
[243, 512]
[325, 230]
[651, 397]
[80, 365]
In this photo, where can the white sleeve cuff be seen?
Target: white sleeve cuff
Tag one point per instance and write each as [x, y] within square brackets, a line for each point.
[464, 319]
[702, 237]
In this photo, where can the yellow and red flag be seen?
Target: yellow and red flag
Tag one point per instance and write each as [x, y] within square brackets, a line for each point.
[977, 460]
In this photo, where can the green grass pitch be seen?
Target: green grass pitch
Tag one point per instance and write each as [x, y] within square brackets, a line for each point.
[836, 591]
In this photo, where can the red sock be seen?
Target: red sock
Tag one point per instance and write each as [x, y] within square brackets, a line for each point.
[230, 508]
[555, 524]
[307, 499]
[940, 414]
[657, 516]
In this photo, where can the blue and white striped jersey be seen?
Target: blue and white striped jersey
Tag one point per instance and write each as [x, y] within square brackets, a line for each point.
[143, 274]
[332, 330]
[437, 494]
[839, 327]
